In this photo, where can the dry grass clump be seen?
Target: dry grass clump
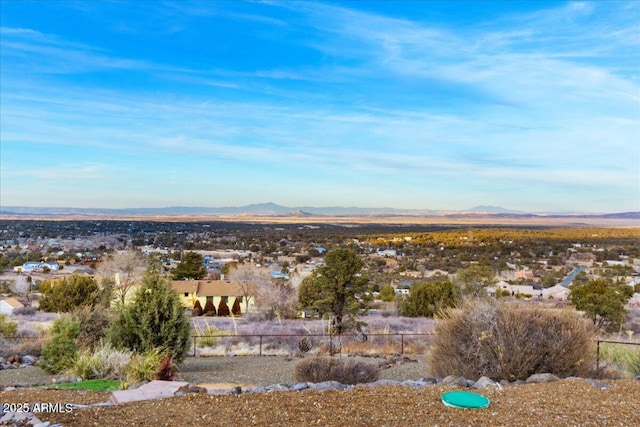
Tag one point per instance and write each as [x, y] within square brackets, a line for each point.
[345, 371]
[509, 342]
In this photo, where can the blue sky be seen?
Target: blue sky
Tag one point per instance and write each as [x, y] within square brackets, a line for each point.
[431, 105]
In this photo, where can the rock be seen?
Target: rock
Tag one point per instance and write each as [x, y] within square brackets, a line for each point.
[277, 387]
[180, 393]
[429, 380]
[29, 360]
[412, 383]
[195, 389]
[485, 382]
[598, 385]
[327, 385]
[300, 386]
[541, 378]
[236, 390]
[453, 380]
[385, 382]
[14, 358]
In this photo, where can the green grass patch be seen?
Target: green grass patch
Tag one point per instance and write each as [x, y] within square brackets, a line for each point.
[624, 357]
[90, 385]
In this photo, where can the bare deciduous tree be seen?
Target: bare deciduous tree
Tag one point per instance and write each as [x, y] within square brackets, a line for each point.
[124, 269]
[277, 298]
[250, 279]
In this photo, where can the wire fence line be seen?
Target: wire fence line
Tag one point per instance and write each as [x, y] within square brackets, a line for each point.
[382, 343]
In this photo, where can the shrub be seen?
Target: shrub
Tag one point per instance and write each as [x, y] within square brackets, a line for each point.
[427, 299]
[8, 328]
[387, 293]
[223, 309]
[144, 366]
[204, 339]
[345, 371]
[59, 352]
[32, 346]
[510, 342]
[68, 294]
[105, 362]
[167, 370]
[94, 323]
[155, 318]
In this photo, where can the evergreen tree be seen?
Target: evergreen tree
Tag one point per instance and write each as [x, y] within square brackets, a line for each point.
[209, 308]
[197, 309]
[602, 302]
[69, 293]
[154, 319]
[223, 308]
[387, 293]
[191, 267]
[235, 309]
[337, 288]
[427, 299]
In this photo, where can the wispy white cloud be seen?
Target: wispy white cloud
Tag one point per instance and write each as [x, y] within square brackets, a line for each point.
[522, 102]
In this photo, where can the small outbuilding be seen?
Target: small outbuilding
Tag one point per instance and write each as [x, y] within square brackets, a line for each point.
[7, 305]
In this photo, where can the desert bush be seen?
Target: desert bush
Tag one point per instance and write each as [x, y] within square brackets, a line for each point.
[345, 371]
[32, 346]
[8, 328]
[28, 330]
[509, 342]
[205, 340]
[144, 366]
[103, 362]
[94, 323]
[59, 352]
[154, 318]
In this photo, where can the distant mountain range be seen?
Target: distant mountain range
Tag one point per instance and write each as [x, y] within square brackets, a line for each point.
[272, 209]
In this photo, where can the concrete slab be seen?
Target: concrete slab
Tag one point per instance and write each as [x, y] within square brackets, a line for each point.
[157, 389]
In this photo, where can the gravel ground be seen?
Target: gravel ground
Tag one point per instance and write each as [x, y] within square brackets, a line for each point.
[560, 403]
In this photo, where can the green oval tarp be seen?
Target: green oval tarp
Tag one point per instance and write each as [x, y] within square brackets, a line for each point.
[464, 399]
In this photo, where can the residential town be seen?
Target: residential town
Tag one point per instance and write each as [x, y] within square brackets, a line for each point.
[527, 265]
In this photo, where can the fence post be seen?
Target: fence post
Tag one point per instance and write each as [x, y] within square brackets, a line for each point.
[598, 358]
[194, 345]
[260, 345]
[401, 343]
